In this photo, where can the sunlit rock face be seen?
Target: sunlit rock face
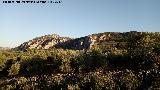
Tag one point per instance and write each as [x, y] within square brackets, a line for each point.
[56, 41]
[107, 40]
[44, 42]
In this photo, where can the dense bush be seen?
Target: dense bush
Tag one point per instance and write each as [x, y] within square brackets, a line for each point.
[90, 61]
[134, 66]
[118, 61]
[14, 70]
[2, 61]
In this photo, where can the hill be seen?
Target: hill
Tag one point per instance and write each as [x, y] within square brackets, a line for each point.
[103, 61]
[43, 42]
[106, 40]
[86, 42]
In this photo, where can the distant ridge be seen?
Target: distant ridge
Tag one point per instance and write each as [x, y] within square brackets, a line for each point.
[106, 39]
[43, 42]
[4, 48]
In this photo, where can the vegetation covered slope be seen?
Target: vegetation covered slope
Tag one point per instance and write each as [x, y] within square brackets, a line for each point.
[124, 61]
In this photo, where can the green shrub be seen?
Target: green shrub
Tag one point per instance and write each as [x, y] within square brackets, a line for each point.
[130, 80]
[14, 70]
[36, 65]
[104, 81]
[87, 82]
[155, 85]
[91, 61]
[118, 61]
[2, 61]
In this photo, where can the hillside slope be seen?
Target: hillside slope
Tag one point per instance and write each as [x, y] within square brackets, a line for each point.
[106, 40]
[110, 61]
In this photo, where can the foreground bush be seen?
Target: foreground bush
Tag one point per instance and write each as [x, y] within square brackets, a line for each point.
[134, 69]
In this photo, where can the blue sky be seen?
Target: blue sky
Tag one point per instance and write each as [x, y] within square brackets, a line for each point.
[76, 18]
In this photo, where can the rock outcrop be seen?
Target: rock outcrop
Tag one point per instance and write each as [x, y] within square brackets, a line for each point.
[107, 40]
[44, 42]
[87, 42]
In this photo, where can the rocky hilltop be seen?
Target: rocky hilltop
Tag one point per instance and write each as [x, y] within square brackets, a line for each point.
[56, 41]
[44, 42]
[106, 39]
